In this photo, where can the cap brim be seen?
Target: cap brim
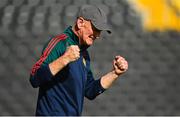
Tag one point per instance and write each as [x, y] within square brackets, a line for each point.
[102, 27]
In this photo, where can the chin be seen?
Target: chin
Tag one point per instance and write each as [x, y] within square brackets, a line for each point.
[89, 43]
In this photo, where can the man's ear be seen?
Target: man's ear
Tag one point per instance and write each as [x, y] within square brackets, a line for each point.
[80, 22]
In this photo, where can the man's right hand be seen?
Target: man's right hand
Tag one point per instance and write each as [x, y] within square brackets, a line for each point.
[72, 53]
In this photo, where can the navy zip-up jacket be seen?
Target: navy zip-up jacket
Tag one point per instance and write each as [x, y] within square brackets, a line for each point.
[63, 94]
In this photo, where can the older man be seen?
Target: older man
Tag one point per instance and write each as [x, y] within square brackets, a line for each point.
[63, 72]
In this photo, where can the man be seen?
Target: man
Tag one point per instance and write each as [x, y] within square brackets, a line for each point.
[63, 72]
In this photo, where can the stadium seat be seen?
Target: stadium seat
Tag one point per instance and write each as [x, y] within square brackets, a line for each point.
[56, 9]
[95, 2]
[24, 14]
[49, 2]
[111, 3]
[18, 2]
[33, 2]
[79, 2]
[65, 2]
[114, 18]
[8, 15]
[54, 22]
[21, 31]
[3, 3]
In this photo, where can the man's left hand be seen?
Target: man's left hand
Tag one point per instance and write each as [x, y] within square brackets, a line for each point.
[120, 65]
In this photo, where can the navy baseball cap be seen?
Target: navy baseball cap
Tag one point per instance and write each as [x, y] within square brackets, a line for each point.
[96, 16]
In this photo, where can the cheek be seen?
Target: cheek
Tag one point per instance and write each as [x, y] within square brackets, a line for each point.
[88, 31]
[87, 40]
[86, 35]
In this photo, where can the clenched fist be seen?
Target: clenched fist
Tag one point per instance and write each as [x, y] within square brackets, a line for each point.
[120, 65]
[72, 53]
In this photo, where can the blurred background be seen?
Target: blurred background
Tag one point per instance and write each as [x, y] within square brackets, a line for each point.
[145, 32]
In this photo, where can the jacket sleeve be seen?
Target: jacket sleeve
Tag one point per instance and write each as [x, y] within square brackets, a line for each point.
[93, 87]
[40, 73]
[41, 76]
